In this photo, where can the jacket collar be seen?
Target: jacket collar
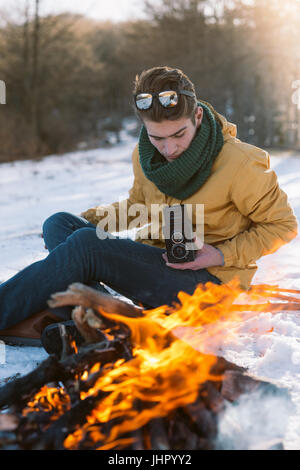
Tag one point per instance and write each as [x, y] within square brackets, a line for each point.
[229, 129]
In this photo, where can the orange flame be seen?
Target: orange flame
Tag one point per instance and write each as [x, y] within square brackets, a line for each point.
[48, 399]
[168, 365]
[169, 362]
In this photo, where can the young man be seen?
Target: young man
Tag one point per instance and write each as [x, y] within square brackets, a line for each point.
[187, 154]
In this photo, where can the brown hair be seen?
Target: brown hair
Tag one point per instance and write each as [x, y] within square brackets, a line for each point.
[164, 78]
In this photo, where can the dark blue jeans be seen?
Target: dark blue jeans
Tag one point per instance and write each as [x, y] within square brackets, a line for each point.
[77, 254]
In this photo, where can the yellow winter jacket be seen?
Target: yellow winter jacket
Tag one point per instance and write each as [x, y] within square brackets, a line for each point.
[246, 214]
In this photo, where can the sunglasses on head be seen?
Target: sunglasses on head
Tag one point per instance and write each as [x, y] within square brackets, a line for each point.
[168, 99]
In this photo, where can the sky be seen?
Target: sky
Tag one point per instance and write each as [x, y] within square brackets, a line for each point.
[114, 10]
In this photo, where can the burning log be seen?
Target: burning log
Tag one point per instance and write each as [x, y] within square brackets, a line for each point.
[51, 370]
[194, 428]
[132, 384]
[55, 435]
[23, 387]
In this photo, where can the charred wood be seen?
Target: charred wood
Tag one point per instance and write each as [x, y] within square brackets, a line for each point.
[19, 389]
[211, 397]
[54, 436]
[200, 419]
[182, 435]
[221, 365]
[53, 370]
[235, 384]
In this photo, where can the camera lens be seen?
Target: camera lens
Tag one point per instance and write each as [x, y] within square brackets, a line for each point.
[179, 251]
[177, 237]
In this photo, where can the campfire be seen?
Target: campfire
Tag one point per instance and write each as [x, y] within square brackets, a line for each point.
[140, 379]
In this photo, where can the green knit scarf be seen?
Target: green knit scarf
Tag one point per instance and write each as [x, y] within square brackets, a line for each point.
[184, 176]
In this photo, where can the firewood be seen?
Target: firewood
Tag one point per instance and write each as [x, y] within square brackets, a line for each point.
[221, 365]
[87, 356]
[90, 334]
[85, 385]
[51, 369]
[181, 435]
[193, 426]
[80, 294]
[16, 391]
[211, 397]
[93, 320]
[202, 420]
[235, 384]
[56, 433]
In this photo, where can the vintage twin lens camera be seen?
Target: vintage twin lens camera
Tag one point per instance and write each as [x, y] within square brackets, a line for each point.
[178, 234]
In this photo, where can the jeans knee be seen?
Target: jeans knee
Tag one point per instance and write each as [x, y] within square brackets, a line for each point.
[84, 238]
[82, 246]
[54, 219]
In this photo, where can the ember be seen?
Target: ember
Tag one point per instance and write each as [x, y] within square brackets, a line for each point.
[48, 399]
[141, 379]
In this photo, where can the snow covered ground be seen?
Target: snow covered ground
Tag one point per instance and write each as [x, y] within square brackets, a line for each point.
[33, 190]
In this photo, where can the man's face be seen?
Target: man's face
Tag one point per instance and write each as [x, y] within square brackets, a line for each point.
[172, 138]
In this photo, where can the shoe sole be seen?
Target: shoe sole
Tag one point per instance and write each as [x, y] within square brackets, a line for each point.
[18, 341]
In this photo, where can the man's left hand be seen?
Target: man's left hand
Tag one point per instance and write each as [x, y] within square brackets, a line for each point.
[206, 257]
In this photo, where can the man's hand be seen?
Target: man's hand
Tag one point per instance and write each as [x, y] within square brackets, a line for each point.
[206, 257]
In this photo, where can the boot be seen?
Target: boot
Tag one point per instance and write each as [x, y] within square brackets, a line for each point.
[51, 337]
[28, 332]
